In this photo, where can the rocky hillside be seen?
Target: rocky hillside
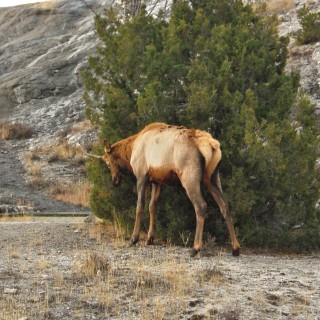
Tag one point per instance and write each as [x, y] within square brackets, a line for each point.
[43, 48]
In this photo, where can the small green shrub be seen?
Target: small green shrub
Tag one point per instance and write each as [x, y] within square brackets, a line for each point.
[310, 22]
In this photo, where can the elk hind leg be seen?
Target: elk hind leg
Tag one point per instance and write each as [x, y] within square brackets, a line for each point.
[194, 193]
[216, 192]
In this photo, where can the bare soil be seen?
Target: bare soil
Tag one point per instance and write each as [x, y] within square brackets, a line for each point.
[65, 269]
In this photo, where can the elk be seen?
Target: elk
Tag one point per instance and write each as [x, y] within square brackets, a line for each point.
[162, 154]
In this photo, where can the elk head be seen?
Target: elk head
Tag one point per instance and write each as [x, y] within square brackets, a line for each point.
[111, 161]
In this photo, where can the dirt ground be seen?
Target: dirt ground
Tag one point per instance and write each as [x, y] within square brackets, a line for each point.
[66, 269]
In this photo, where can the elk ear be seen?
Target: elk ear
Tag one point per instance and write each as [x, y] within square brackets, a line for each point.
[107, 146]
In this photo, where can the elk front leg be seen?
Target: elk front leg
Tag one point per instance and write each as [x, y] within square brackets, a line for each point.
[141, 190]
[155, 193]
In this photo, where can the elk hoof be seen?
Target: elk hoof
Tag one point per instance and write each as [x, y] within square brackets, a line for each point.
[236, 252]
[193, 252]
[150, 241]
[134, 241]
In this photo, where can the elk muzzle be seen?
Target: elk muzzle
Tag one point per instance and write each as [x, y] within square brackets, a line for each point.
[116, 180]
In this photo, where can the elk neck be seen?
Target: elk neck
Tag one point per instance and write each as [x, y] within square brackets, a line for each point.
[121, 152]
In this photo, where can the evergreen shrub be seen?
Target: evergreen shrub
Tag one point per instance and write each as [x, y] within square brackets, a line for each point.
[310, 23]
[217, 66]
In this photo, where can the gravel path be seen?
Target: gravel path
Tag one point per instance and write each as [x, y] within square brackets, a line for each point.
[63, 269]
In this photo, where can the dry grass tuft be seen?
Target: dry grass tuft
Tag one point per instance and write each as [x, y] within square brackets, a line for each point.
[93, 265]
[37, 182]
[231, 314]
[101, 232]
[82, 126]
[170, 278]
[300, 305]
[24, 202]
[13, 252]
[213, 275]
[12, 131]
[78, 193]
[36, 162]
[43, 264]
[279, 5]
[275, 6]
[30, 157]
[50, 4]
[63, 152]
[34, 168]
[17, 218]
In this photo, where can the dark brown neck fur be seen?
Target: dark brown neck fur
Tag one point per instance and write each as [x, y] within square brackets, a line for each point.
[122, 150]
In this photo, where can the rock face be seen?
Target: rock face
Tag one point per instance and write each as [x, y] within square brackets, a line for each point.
[306, 58]
[43, 49]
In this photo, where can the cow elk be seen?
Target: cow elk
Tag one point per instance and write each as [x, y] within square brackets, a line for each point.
[162, 154]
